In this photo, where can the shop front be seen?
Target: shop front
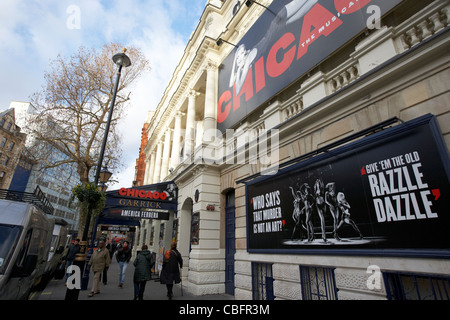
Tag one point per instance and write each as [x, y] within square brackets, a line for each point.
[152, 208]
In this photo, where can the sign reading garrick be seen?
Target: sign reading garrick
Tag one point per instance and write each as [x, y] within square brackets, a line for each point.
[147, 202]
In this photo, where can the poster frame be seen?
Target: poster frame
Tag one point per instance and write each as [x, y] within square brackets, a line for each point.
[443, 157]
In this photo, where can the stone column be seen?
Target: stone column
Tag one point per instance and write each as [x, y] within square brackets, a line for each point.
[175, 158]
[199, 137]
[151, 170]
[207, 259]
[190, 124]
[166, 154]
[147, 169]
[157, 172]
[210, 119]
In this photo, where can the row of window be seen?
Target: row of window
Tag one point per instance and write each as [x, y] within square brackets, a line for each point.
[5, 160]
[56, 200]
[2, 123]
[3, 143]
[64, 214]
[54, 186]
[319, 283]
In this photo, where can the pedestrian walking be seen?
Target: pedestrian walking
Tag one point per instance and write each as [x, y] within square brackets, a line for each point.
[99, 261]
[70, 256]
[170, 272]
[123, 257]
[105, 271]
[142, 272]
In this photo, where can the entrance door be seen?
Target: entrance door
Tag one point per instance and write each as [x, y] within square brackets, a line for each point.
[230, 242]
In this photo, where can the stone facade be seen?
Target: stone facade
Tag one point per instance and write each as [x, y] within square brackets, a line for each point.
[140, 162]
[12, 141]
[398, 70]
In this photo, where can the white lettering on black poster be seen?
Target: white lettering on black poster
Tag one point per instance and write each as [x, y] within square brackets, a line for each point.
[267, 215]
[399, 189]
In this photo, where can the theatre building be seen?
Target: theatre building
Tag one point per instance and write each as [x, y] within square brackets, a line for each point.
[305, 144]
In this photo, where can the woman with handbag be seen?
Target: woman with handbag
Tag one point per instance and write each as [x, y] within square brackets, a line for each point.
[170, 272]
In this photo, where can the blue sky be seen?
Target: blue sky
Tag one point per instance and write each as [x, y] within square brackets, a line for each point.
[33, 32]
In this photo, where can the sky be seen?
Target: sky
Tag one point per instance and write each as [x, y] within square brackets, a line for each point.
[33, 32]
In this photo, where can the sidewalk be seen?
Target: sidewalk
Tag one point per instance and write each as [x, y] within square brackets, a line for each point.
[56, 290]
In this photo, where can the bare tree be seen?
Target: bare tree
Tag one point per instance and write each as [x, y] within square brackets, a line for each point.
[73, 108]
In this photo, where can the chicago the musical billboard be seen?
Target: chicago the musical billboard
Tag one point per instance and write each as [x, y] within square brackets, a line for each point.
[288, 40]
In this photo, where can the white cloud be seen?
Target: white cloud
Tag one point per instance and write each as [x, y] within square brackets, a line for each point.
[33, 32]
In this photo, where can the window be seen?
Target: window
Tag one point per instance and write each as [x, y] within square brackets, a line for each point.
[5, 162]
[9, 236]
[195, 228]
[8, 126]
[318, 283]
[24, 249]
[152, 234]
[2, 122]
[401, 286]
[11, 146]
[2, 143]
[262, 281]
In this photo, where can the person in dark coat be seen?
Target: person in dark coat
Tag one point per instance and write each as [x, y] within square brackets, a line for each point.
[142, 272]
[170, 272]
[123, 257]
[70, 257]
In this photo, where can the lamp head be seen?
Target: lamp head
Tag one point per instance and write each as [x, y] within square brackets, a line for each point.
[104, 175]
[121, 59]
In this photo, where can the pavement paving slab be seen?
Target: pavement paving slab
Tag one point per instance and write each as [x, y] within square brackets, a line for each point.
[154, 290]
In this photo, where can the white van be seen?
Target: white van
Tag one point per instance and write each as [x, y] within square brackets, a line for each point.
[25, 237]
[58, 244]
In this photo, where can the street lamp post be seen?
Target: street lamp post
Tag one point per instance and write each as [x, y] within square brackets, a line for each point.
[121, 60]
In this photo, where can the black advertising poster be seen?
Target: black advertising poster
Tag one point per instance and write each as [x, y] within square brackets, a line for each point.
[288, 40]
[138, 214]
[146, 202]
[389, 191]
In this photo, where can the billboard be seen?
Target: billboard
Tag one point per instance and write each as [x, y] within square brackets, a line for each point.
[147, 202]
[389, 191]
[288, 40]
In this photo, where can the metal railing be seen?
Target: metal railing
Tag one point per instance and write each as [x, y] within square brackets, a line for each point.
[318, 283]
[262, 279]
[403, 286]
[36, 198]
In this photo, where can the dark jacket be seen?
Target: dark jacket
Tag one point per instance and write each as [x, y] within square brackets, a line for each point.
[73, 250]
[170, 271]
[124, 255]
[143, 264]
